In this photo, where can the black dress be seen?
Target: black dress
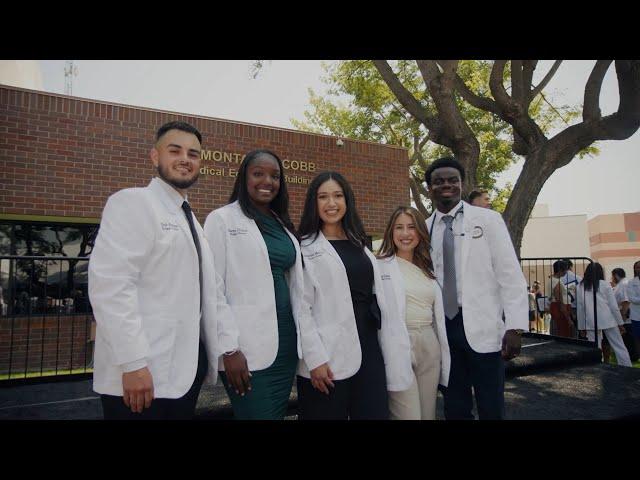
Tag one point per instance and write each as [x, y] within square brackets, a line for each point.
[364, 395]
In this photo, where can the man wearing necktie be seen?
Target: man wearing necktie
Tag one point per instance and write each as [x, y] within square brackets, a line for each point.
[478, 270]
[156, 297]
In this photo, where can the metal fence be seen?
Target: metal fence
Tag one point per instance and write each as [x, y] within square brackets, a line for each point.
[46, 324]
[47, 327]
[552, 317]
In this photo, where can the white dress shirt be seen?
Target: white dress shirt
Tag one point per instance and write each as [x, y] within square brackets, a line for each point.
[620, 293]
[633, 293]
[436, 229]
[571, 281]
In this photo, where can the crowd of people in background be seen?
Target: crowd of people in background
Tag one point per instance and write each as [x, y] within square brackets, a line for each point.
[567, 311]
[567, 308]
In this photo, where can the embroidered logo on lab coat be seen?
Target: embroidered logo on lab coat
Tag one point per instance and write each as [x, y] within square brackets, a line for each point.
[477, 232]
[385, 276]
[313, 255]
[168, 226]
[238, 231]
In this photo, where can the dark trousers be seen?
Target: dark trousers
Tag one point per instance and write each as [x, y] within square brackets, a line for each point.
[360, 397]
[482, 371]
[629, 342]
[182, 408]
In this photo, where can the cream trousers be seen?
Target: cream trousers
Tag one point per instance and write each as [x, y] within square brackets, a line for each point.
[419, 401]
[616, 342]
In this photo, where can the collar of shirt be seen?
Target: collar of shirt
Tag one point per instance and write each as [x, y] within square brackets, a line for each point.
[173, 195]
[452, 212]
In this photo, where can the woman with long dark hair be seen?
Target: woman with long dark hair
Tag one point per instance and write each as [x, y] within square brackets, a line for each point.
[256, 251]
[342, 371]
[609, 319]
[420, 358]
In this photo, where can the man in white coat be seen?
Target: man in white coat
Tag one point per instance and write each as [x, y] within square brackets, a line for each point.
[154, 291]
[480, 276]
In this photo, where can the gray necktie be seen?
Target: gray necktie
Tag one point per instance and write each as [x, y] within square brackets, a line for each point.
[449, 287]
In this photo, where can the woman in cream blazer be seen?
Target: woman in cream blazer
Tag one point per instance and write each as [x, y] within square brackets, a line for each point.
[413, 299]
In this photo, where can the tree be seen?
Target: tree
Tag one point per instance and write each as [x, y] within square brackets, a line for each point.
[445, 83]
[360, 105]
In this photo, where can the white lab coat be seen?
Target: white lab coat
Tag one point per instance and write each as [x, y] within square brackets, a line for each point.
[398, 359]
[329, 333]
[633, 292]
[145, 293]
[608, 312]
[242, 260]
[492, 280]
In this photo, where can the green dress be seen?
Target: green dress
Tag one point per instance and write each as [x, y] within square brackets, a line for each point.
[271, 387]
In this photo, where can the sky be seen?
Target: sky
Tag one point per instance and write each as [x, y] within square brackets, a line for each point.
[224, 89]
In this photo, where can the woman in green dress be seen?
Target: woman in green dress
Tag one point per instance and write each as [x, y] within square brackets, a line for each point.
[257, 254]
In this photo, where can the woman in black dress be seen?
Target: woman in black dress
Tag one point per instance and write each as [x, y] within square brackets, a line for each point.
[342, 371]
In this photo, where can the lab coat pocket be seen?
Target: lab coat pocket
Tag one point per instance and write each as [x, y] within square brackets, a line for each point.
[161, 337]
[330, 336]
[253, 328]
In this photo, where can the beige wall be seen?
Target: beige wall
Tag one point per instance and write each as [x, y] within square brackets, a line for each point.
[615, 241]
[565, 236]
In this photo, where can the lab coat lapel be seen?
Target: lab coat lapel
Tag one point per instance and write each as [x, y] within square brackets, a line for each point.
[326, 244]
[175, 211]
[467, 226]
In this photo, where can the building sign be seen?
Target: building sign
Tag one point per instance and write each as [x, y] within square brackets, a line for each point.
[225, 164]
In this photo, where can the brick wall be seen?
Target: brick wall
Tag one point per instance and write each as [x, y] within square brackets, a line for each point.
[64, 156]
[32, 344]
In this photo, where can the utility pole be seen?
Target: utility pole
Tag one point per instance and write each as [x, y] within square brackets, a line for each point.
[70, 71]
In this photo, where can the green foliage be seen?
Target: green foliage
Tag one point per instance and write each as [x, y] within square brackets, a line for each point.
[499, 201]
[359, 105]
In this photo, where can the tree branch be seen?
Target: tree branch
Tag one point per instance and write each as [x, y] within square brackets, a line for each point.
[429, 70]
[517, 80]
[618, 126]
[496, 85]
[528, 67]
[527, 134]
[417, 199]
[591, 108]
[478, 101]
[417, 151]
[405, 97]
[545, 81]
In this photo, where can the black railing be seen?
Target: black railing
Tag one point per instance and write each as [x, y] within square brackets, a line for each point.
[46, 323]
[538, 273]
[47, 329]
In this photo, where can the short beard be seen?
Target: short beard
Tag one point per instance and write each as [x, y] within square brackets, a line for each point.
[447, 203]
[180, 184]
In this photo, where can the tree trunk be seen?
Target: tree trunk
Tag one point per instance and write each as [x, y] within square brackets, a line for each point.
[539, 165]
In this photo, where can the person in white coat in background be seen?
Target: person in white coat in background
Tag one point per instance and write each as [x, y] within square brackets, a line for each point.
[414, 305]
[633, 294]
[609, 319]
[156, 297]
[619, 284]
[342, 372]
[258, 256]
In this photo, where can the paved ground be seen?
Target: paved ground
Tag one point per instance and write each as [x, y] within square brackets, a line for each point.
[550, 380]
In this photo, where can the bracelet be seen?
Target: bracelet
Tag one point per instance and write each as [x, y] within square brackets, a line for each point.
[228, 354]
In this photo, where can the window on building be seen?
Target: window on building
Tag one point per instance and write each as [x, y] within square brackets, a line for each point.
[55, 283]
